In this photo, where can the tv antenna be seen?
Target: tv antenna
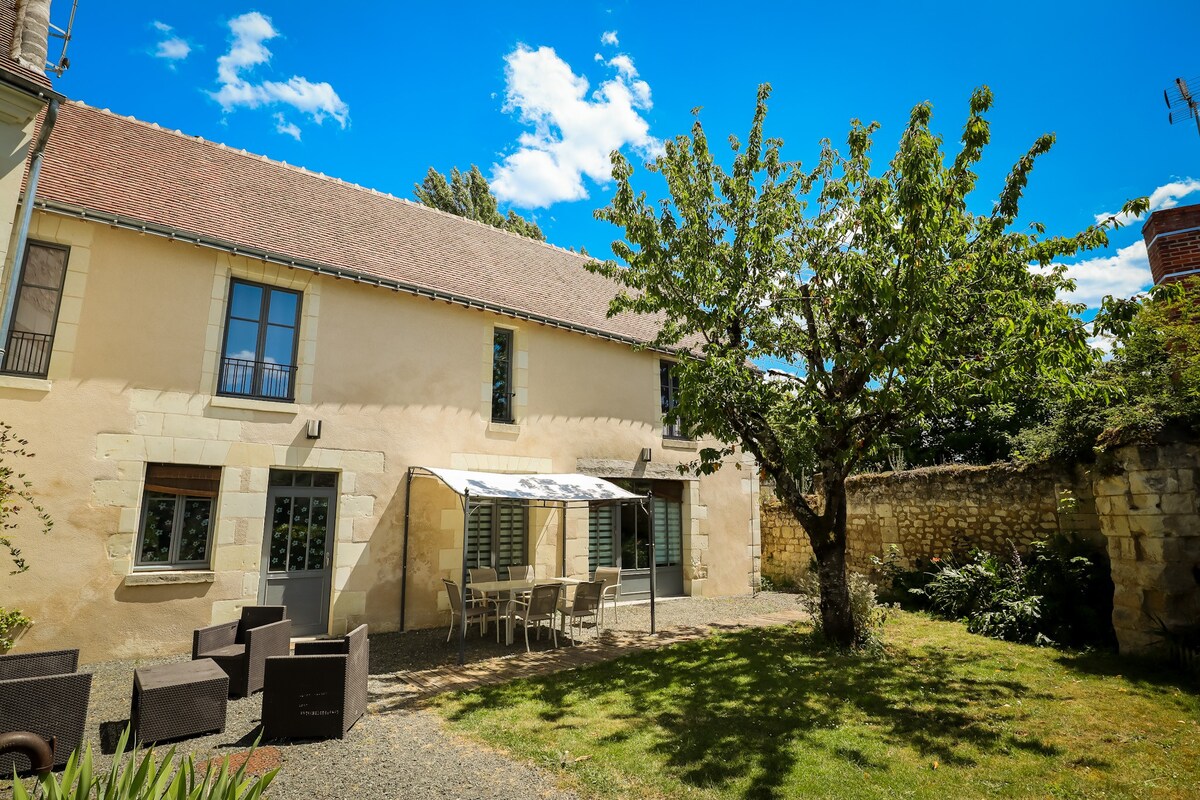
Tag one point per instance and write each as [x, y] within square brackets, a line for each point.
[59, 67]
[1182, 103]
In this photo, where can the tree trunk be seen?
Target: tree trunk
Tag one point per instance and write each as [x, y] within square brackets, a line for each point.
[827, 535]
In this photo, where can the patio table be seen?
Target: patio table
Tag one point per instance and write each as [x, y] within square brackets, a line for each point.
[511, 588]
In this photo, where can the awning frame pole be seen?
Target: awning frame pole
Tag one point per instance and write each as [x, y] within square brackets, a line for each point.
[563, 549]
[462, 617]
[653, 561]
[404, 551]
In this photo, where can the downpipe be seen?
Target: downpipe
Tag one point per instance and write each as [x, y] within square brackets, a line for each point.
[35, 171]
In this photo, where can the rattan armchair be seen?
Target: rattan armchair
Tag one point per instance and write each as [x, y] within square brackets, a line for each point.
[42, 693]
[318, 693]
[242, 647]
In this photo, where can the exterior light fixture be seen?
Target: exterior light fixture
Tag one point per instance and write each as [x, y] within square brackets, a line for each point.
[645, 454]
[314, 429]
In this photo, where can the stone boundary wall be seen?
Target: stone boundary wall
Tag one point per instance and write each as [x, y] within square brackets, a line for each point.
[1142, 501]
[937, 511]
[1147, 498]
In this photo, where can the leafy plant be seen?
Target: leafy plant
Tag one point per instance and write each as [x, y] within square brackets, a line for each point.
[869, 614]
[146, 778]
[11, 622]
[1060, 593]
[16, 494]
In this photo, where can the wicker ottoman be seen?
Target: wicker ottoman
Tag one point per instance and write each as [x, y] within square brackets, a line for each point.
[177, 700]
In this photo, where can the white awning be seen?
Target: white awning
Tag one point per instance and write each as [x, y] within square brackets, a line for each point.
[564, 488]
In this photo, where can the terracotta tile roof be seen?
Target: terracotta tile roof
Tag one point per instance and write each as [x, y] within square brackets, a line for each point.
[8, 27]
[105, 163]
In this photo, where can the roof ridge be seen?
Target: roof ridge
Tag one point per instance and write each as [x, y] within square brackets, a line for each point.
[322, 176]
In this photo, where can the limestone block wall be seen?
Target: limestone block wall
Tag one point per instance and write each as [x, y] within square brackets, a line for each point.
[1148, 512]
[937, 511]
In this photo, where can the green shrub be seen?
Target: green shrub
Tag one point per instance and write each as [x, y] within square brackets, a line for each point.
[1060, 593]
[146, 779]
[869, 614]
[12, 622]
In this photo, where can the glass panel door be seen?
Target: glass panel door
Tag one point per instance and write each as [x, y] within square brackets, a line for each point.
[298, 554]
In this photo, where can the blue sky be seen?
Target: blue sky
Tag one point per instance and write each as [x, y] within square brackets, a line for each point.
[537, 93]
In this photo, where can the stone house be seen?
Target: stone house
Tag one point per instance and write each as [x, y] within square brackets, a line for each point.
[227, 367]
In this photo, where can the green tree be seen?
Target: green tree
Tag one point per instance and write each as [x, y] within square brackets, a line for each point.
[891, 299]
[1149, 386]
[468, 195]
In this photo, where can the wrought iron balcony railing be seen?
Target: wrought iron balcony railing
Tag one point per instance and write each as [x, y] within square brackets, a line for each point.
[264, 380]
[28, 353]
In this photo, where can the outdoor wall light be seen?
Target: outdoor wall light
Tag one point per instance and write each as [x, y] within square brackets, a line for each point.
[314, 429]
[645, 454]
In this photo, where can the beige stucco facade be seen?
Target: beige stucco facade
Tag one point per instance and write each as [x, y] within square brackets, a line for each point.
[396, 380]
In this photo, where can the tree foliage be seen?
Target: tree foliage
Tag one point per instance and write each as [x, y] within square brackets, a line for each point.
[892, 301]
[1149, 386]
[468, 195]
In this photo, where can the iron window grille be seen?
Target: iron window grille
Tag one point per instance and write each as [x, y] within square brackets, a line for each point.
[502, 391]
[39, 295]
[258, 355]
[176, 527]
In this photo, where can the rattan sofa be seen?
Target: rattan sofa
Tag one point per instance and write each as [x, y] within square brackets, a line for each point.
[242, 647]
[42, 693]
[318, 693]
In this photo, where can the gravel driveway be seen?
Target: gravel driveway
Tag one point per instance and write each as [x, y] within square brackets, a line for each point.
[403, 753]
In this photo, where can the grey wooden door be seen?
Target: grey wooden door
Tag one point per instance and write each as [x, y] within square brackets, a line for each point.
[298, 547]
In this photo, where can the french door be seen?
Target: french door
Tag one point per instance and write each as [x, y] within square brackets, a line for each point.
[298, 547]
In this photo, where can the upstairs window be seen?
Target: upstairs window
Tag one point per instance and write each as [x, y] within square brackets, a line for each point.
[259, 356]
[502, 389]
[31, 335]
[177, 516]
[669, 393]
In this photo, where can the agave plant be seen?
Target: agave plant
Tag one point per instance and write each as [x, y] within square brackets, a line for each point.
[143, 777]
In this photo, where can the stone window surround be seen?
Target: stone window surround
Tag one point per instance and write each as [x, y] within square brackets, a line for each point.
[77, 237]
[228, 267]
[171, 427]
[520, 379]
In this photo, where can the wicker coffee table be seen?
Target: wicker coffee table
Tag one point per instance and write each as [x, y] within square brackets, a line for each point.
[172, 701]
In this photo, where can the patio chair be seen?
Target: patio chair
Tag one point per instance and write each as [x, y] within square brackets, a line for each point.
[474, 612]
[242, 647]
[585, 604]
[318, 693]
[538, 608]
[520, 572]
[610, 579]
[42, 693]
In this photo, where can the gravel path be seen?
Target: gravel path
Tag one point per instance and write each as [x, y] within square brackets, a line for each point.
[402, 753]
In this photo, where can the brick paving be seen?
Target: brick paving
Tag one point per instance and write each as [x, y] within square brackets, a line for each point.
[395, 690]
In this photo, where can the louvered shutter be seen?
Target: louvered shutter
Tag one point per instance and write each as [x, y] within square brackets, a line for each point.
[600, 538]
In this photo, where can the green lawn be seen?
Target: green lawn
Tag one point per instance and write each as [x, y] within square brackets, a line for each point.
[771, 713]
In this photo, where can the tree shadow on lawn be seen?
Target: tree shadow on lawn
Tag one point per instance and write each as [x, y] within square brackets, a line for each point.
[737, 707]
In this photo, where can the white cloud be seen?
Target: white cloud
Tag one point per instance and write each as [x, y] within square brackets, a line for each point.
[1166, 196]
[1121, 275]
[248, 50]
[286, 128]
[171, 48]
[609, 37]
[573, 131]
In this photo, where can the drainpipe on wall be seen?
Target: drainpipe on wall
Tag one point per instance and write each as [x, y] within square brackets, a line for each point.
[35, 170]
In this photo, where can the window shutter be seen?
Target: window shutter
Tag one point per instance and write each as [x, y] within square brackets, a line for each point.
[600, 538]
[184, 479]
[668, 532]
[510, 547]
[479, 537]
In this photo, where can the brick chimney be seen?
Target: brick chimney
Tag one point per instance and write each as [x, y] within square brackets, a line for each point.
[31, 34]
[1173, 242]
